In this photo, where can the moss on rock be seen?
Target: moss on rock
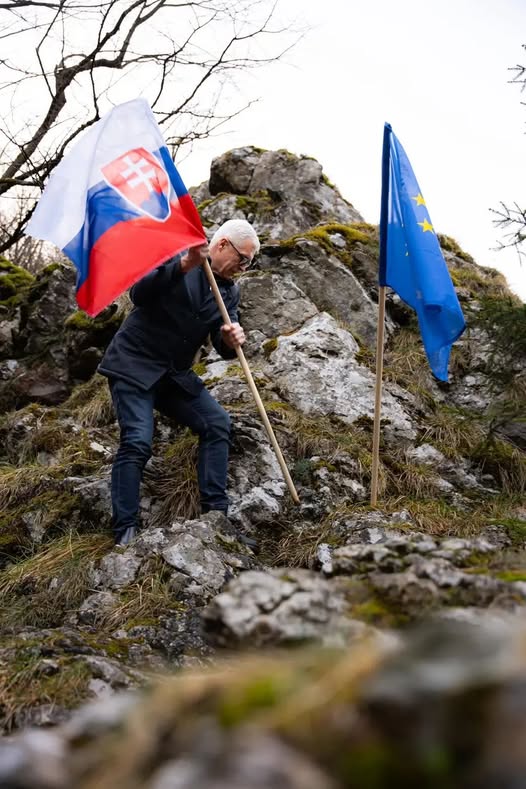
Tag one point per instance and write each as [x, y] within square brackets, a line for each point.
[269, 346]
[15, 283]
[260, 202]
[450, 245]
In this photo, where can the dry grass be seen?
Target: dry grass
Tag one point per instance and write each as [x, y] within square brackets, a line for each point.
[505, 462]
[44, 438]
[293, 696]
[327, 437]
[19, 484]
[91, 403]
[436, 517]
[458, 434]
[143, 602]
[72, 455]
[38, 591]
[482, 282]
[25, 684]
[295, 548]
[409, 479]
[173, 478]
[406, 363]
[454, 432]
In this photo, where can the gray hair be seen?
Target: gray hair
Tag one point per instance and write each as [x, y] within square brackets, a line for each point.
[237, 230]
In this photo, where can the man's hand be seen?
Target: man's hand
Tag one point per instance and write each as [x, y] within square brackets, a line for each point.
[195, 257]
[232, 335]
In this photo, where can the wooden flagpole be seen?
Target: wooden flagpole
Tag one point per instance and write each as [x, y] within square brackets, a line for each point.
[378, 395]
[382, 264]
[252, 385]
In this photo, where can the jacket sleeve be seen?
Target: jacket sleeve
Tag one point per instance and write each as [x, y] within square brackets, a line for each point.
[150, 287]
[215, 335]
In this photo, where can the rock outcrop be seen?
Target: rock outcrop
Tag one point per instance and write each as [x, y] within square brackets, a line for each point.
[81, 619]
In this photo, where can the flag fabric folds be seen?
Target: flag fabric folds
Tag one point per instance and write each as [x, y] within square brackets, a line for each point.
[117, 206]
[411, 261]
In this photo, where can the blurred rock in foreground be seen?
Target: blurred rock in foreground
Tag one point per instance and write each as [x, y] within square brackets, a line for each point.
[444, 707]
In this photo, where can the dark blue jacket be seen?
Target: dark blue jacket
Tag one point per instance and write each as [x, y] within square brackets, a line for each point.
[174, 314]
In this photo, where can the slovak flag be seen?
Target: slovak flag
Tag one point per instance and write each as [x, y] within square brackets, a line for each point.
[116, 205]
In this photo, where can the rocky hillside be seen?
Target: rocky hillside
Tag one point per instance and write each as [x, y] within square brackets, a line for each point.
[80, 619]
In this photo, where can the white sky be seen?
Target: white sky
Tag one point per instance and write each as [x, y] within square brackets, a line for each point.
[437, 71]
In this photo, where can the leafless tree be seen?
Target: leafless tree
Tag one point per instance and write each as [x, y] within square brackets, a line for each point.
[64, 63]
[512, 219]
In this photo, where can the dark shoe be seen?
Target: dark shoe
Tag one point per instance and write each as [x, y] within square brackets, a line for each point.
[220, 519]
[127, 536]
[250, 542]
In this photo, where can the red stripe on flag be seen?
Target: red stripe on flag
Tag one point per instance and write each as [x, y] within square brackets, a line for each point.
[129, 250]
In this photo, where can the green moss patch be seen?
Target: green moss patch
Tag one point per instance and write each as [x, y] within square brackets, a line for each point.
[199, 368]
[15, 283]
[353, 234]
[269, 346]
[107, 322]
[206, 203]
[260, 202]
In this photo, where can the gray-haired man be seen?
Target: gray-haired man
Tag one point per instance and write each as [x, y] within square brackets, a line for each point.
[148, 364]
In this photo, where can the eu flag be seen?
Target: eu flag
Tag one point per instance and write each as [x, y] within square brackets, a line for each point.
[411, 261]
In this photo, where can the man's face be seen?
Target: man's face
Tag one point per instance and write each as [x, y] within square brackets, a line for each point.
[228, 259]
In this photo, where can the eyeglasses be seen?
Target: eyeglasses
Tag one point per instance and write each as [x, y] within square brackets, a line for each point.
[244, 260]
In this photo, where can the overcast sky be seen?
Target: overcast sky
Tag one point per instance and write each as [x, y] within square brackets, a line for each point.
[437, 71]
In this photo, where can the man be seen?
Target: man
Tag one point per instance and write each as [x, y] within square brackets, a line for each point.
[148, 364]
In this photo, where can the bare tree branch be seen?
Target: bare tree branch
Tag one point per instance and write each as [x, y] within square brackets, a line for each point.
[512, 219]
[182, 56]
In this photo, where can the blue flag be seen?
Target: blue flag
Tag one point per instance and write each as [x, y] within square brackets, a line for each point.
[411, 261]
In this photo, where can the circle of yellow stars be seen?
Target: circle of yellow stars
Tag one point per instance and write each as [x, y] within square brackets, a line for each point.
[425, 225]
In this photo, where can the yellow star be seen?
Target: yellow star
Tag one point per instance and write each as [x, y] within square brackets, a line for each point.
[419, 199]
[425, 225]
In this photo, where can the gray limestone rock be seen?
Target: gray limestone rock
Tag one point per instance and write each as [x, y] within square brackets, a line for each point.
[281, 606]
[37, 759]
[190, 556]
[95, 606]
[273, 305]
[331, 286]
[289, 191]
[254, 760]
[9, 327]
[316, 368]
[116, 570]
[256, 485]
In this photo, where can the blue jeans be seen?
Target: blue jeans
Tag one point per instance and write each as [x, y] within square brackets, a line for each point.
[201, 413]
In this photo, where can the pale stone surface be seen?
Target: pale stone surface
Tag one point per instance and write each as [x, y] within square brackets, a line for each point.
[282, 606]
[317, 369]
[289, 192]
[116, 570]
[190, 556]
[273, 305]
[332, 286]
